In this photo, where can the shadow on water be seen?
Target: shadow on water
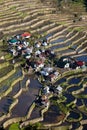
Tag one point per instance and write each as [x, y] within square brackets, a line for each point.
[53, 115]
[79, 102]
[85, 127]
[74, 88]
[70, 98]
[73, 115]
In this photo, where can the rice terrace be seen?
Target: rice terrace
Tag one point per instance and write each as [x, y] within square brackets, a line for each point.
[43, 65]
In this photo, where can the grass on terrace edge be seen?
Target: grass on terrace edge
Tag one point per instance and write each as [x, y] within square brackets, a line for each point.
[15, 127]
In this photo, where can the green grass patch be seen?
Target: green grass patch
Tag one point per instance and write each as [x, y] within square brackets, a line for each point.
[1, 1]
[1, 43]
[78, 3]
[8, 56]
[13, 8]
[70, 29]
[63, 108]
[79, 29]
[36, 126]
[61, 128]
[24, 15]
[15, 127]
[61, 23]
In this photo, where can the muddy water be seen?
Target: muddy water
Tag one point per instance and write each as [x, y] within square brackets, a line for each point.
[76, 125]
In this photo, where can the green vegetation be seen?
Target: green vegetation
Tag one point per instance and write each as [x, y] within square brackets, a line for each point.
[70, 29]
[15, 127]
[61, 23]
[36, 126]
[6, 70]
[62, 99]
[8, 56]
[63, 108]
[61, 128]
[23, 14]
[10, 79]
[79, 29]
[13, 8]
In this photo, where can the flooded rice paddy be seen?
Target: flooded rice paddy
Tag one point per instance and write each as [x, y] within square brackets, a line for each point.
[26, 99]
